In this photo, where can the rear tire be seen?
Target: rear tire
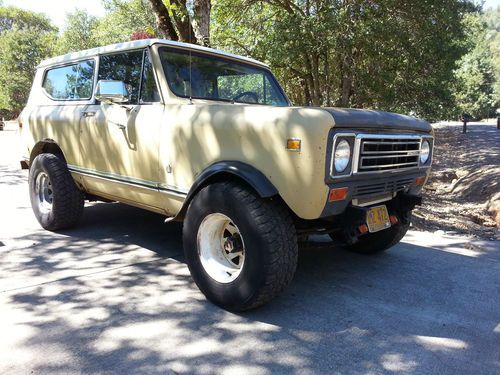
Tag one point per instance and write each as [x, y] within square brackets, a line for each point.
[241, 250]
[373, 243]
[56, 200]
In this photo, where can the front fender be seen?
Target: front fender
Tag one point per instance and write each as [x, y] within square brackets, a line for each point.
[225, 170]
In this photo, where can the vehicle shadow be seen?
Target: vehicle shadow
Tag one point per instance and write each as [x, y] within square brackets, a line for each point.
[129, 306]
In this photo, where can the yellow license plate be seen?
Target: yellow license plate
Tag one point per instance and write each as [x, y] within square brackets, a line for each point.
[377, 218]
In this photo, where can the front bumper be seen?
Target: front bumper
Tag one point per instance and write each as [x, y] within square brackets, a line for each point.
[365, 190]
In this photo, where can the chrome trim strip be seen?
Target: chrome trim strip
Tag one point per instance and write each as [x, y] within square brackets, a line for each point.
[408, 154]
[390, 165]
[389, 136]
[130, 181]
[385, 198]
[409, 142]
[395, 153]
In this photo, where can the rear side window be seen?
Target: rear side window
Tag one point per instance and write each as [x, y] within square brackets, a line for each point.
[124, 67]
[70, 82]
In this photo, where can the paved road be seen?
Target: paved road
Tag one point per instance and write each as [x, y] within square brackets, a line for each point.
[114, 296]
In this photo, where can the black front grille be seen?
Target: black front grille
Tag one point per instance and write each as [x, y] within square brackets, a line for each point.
[383, 154]
[392, 186]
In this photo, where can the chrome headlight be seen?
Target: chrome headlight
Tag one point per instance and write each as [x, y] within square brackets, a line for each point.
[425, 151]
[342, 156]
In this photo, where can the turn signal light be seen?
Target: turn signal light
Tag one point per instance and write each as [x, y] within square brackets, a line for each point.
[338, 194]
[293, 144]
[419, 181]
[393, 219]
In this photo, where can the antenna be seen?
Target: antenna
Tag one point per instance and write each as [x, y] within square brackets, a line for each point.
[190, 8]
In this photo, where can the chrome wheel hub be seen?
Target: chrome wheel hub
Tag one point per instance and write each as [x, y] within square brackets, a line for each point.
[44, 193]
[220, 248]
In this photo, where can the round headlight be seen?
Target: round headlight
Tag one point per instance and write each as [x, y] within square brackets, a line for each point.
[425, 152]
[342, 156]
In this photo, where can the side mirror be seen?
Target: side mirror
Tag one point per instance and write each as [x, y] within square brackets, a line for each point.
[111, 91]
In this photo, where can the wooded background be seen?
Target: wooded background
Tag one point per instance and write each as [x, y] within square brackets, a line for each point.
[431, 58]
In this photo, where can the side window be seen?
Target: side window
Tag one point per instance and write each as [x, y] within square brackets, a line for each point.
[70, 82]
[149, 90]
[124, 67]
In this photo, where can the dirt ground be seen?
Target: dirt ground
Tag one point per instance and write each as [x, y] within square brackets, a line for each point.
[463, 192]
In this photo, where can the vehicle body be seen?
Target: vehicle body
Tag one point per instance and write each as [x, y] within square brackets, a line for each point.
[175, 121]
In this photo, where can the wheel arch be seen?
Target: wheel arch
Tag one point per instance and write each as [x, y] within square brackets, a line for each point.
[229, 170]
[48, 146]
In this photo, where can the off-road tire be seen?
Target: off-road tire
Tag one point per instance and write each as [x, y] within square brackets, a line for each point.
[373, 243]
[68, 199]
[270, 240]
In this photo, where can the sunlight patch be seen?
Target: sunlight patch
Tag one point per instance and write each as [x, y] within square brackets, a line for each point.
[434, 343]
[395, 362]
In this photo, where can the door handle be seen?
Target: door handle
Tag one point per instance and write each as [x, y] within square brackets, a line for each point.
[88, 114]
[120, 126]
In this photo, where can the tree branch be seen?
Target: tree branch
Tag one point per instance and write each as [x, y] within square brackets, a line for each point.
[163, 19]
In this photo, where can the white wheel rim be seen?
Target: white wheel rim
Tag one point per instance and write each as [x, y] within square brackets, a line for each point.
[44, 193]
[221, 248]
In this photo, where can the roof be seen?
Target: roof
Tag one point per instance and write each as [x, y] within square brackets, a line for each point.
[137, 44]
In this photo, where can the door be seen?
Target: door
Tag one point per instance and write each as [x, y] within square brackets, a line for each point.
[65, 91]
[120, 142]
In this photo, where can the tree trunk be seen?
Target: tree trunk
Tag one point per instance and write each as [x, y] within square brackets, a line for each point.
[201, 21]
[163, 19]
[345, 82]
[312, 78]
[182, 21]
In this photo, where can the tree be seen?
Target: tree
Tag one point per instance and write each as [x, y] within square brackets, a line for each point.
[492, 20]
[475, 79]
[16, 18]
[124, 18]
[26, 38]
[175, 22]
[80, 32]
[385, 54]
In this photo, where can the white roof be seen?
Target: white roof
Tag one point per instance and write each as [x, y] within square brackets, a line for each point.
[137, 44]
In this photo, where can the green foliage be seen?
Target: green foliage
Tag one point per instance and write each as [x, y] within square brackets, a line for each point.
[387, 54]
[16, 18]
[79, 34]
[475, 75]
[26, 38]
[492, 37]
[432, 58]
[123, 18]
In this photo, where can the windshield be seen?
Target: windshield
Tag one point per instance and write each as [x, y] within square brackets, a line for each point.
[217, 78]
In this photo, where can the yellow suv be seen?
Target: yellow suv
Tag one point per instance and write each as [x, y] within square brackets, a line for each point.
[210, 138]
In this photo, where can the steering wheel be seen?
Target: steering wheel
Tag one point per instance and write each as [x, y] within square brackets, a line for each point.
[250, 94]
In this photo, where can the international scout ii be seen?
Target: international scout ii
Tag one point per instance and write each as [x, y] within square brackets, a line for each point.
[210, 138]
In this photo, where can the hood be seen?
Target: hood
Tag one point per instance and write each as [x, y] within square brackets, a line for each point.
[369, 119]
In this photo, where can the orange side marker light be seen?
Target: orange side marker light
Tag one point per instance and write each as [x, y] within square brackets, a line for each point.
[338, 194]
[419, 181]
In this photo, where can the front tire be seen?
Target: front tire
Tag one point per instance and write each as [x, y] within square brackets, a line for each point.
[241, 250]
[56, 200]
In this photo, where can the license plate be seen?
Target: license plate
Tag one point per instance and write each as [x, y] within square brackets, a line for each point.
[377, 218]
